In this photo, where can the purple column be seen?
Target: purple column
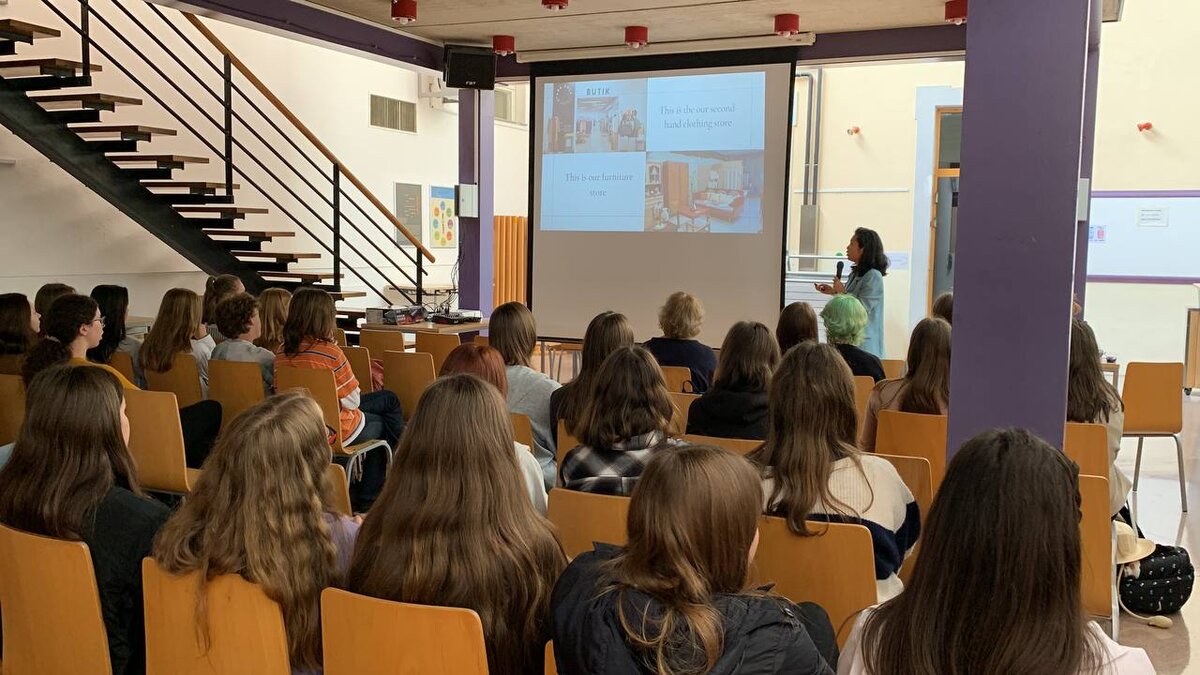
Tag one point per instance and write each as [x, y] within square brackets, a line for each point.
[1089, 145]
[476, 164]
[1024, 106]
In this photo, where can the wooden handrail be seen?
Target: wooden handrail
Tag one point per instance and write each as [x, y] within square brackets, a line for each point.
[312, 138]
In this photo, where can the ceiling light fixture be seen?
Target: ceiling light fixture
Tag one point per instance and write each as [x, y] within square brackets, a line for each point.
[504, 45]
[787, 25]
[636, 37]
[554, 5]
[956, 12]
[404, 11]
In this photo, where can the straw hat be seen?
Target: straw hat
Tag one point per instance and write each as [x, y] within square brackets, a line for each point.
[1129, 547]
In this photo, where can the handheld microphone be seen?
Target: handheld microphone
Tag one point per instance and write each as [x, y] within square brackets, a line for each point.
[841, 265]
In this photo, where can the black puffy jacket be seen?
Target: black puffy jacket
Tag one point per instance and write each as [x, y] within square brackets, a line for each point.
[764, 635]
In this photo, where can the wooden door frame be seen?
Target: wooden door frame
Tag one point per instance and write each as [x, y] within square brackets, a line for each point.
[938, 174]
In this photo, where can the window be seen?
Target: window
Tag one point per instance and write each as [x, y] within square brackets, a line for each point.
[510, 104]
[391, 113]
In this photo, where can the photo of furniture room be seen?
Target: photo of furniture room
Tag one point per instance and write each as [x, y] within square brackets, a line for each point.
[704, 191]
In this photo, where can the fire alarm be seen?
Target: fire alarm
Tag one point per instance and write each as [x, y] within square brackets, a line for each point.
[636, 37]
[956, 12]
[554, 5]
[404, 11]
[854, 131]
[1146, 126]
[787, 25]
[504, 45]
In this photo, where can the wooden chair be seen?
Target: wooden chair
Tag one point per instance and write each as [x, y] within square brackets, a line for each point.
[558, 354]
[245, 627]
[683, 404]
[407, 374]
[236, 385]
[566, 442]
[1154, 408]
[863, 386]
[1098, 579]
[913, 435]
[551, 666]
[918, 477]
[360, 363]
[522, 429]
[1087, 446]
[12, 407]
[339, 489]
[156, 442]
[49, 594]
[369, 636]
[893, 368]
[10, 364]
[319, 384]
[439, 345]
[123, 362]
[742, 446]
[183, 380]
[583, 518]
[339, 336]
[835, 569]
[483, 340]
[380, 341]
[679, 379]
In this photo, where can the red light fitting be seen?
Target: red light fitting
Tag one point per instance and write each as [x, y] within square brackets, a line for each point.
[504, 45]
[404, 11]
[636, 37]
[554, 5]
[956, 12]
[787, 25]
[1146, 126]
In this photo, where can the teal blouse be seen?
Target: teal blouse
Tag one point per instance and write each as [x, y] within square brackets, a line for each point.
[868, 288]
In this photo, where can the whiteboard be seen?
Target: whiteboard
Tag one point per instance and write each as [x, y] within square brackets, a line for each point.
[1144, 236]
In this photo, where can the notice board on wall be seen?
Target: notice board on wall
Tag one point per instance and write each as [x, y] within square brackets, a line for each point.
[1144, 235]
[408, 211]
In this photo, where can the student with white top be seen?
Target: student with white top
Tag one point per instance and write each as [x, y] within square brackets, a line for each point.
[996, 588]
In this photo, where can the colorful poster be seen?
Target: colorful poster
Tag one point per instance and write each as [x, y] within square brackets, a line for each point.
[443, 220]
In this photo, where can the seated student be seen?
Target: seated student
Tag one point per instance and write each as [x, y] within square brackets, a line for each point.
[680, 320]
[72, 327]
[114, 307]
[46, 296]
[627, 419]
[845, 326]
[486, 363]
[996, 587]
[454, 527]
[693, 533]
[812, 471]
[273, 312]
[177, 330]
[943, 307]
[309, 342]
[276, 529]
[1091, 399]
[237, 318]
[797, 323]
[605, 332]
[19, 326]
[925, 387]
[216, 290]
[513, 333]
[71, 477]
[736, 404]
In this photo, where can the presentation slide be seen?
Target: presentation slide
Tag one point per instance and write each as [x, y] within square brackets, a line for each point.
[679, 153]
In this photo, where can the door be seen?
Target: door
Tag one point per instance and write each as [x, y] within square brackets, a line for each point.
[943, 217]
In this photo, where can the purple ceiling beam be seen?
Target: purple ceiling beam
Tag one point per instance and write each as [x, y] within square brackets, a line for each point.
[888, 43]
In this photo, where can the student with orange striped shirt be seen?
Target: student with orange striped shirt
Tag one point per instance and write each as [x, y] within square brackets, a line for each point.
[308, 342]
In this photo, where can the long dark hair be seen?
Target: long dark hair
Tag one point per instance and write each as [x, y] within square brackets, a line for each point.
[114, 305]
[629, 398]
[175, 326]
[69, 453]
[311, 316]
[16, 324]
[1090, 397]
[797, 323]
[60, 325]
[605, 333]
[47, 294]
[749, 356]
[927, 380]
[996, 588]
[873, 256]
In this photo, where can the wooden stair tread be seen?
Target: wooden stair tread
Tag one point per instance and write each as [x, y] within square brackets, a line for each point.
[342, 295]
[26, 28]
[221, 208]
[123, 129]
[274, 254]
[174, 159]
[60, 64]
[303, 276]
[262, 234]
[186, 185]
[86, 97]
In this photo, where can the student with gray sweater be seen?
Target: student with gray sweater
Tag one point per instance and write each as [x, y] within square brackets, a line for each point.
[237, 317]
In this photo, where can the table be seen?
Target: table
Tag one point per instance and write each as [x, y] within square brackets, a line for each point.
[1113, 369]
[138, 325]
[430, 327]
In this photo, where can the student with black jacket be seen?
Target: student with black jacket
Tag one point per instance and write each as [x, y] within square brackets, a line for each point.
[736, 404]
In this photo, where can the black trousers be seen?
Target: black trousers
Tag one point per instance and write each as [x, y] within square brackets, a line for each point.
[201, 423]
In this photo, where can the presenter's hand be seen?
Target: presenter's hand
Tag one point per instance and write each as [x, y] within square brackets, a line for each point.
[838, 287]
[824, 288]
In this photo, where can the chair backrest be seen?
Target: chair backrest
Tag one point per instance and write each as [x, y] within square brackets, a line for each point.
[679, 379]
[583, 518]
[913, 435]
[863, 386]
[236, 385]
[380, 341]
[156, 441]
[835, 569]
[1087, 446]
[10, 364]
[12, 407]
[1096, 528]
[893, 368]
[551, 666]
[339, 489]
[917, 477]
[683, 404]
[439, 345]
[483, 340]
[339, 336]
[369, 636]
[123, 362]
[742, 446]
[48, 592]
[407, 374]
[522, 429]
[319, 384]
[183, 380]
[566, 442]
[245, 627]
[1153, 396]
[360, 363]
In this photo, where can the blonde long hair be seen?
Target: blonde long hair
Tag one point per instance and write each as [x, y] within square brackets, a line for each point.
[258, 511]
[814, 423]
[272, 315]
[177, 323]
[453, 526]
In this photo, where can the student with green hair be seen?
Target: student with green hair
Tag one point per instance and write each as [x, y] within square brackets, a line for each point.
[845, 328]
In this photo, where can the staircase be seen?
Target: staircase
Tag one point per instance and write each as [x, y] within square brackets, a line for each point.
[51, 103]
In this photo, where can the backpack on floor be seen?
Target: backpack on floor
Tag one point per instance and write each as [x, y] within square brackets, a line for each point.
[1159, 583]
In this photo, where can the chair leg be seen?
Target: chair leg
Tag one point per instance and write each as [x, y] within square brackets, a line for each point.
[1137, 464]
[1182, 478]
